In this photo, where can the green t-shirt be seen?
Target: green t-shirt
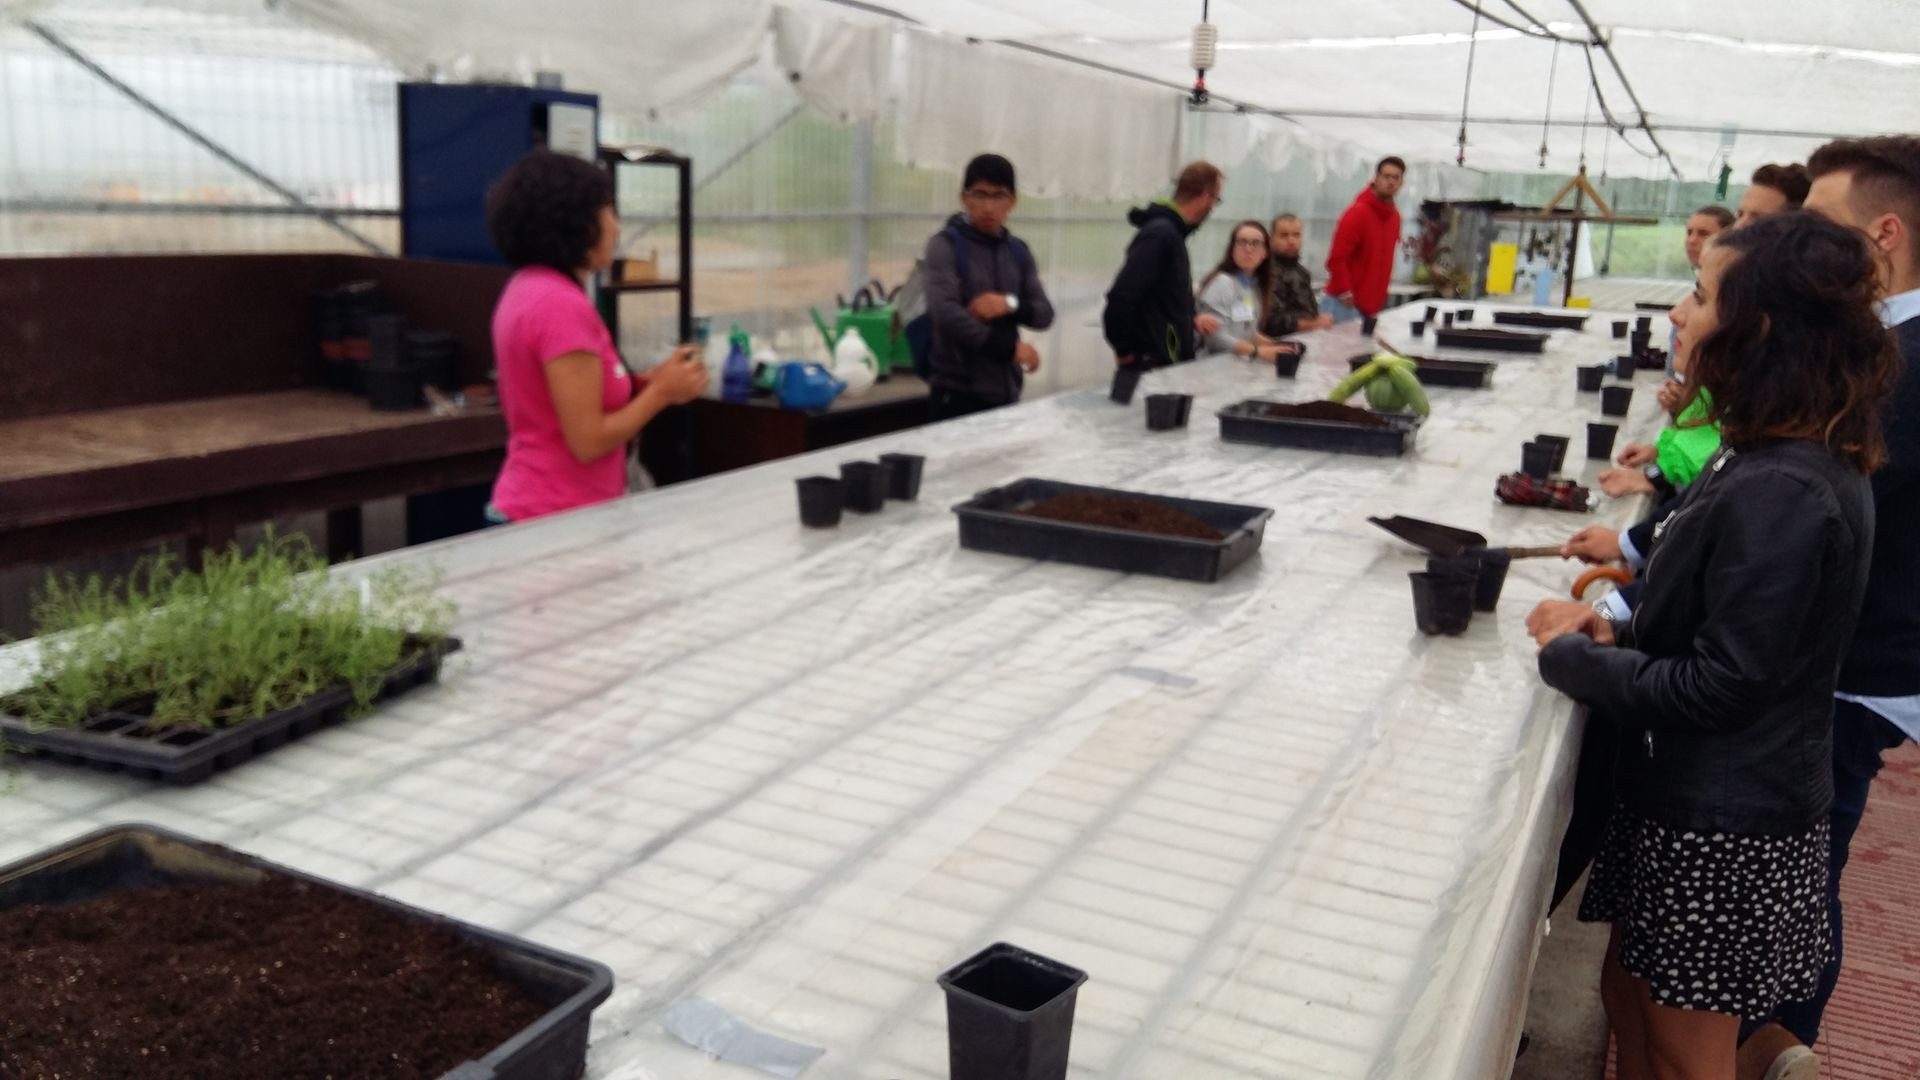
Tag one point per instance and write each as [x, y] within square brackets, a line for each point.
[1685, 447]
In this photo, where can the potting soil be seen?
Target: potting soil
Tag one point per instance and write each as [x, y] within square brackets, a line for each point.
[1134, 515]
[276, 979]
[1326, 410]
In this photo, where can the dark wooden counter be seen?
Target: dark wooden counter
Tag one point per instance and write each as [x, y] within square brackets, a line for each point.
[710, 437]
[82, 482]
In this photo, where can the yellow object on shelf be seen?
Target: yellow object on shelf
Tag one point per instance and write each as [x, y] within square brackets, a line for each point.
[1501, 261]
[1580, 302]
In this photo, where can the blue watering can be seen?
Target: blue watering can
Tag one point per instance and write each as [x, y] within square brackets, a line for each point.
[806, 386]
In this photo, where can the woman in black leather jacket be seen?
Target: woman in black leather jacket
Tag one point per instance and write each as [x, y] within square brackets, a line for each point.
[1713, 872]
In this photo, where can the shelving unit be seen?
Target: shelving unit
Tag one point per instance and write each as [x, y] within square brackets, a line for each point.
[615, 158]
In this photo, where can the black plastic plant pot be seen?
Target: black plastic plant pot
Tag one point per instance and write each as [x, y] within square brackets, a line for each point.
[1466, 566]
[1491, 579]
[1620, 328]
[1614, 400]
[1367, 325]
[395, 389]
[1166, 412]
[387, 341]
[437, 357]
[1589, 378]
[903, 475]
[866, 486]
[1446, 321]
[1287, 365]
[1486, 568]
[1125, 381]
[1624, 366]
[1442, 604]
[822, 498]
[1643, 324]
[1417, 328]
[1600, 439]
[341, 375]
[1560, 443]
[1464, 315]
[1536, 460]
[1009, 1015]
[167, 865]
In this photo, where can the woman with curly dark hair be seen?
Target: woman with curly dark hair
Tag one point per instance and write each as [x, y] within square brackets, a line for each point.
[571, 407]
[1713, 872]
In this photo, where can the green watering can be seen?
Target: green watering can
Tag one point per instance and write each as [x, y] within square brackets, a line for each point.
[869, 314]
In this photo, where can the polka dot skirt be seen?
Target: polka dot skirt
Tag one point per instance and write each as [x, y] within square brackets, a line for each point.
[1723, 922]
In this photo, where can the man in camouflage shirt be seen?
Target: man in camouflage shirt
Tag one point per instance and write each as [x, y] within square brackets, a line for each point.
[1292, 308]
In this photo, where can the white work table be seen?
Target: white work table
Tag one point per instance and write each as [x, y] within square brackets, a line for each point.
[800, 773]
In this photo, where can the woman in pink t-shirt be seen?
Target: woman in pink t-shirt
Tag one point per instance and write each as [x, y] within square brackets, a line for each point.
[571, 407]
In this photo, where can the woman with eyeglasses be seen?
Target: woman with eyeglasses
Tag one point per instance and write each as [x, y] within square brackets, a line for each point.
[1237, 293]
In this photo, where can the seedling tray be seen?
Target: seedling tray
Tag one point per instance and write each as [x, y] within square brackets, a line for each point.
[1496, 340]
[1248, 422]
[183, 756]
[1543, 319]
[1467, 374]
[990, 522]
[123, 857]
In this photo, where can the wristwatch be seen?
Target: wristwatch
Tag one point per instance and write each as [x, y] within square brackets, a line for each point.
[1652, 472]
[1013, 302]
[1601, 609]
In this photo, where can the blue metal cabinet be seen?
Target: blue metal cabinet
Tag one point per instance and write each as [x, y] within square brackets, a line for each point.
[455, 141]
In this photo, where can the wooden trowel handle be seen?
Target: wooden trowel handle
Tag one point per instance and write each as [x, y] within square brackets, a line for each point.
[1533, 552]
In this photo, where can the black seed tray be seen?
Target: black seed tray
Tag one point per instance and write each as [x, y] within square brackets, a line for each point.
[1247, 422]
[1544, 320]
[122, 857]
[189, 755]
[989, 522]
[1497, 340]
[1466, 374]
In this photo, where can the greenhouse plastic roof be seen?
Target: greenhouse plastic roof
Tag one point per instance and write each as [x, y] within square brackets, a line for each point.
[1772, 78]
[798, 773]
[1844, 67]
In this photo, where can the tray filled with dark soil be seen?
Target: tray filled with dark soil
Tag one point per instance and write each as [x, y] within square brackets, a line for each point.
[1319, 425]
[1517, 341]
[135, 951]
[1466, 374]
[1544, 320]
[122, 739]
[1112, 529]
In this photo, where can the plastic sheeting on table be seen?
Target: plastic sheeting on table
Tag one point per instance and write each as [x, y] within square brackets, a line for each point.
[800, 773]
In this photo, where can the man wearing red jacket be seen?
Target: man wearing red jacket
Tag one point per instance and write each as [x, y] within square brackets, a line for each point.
[1360, 262]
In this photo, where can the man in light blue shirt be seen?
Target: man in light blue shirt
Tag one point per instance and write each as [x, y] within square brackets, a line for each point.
[1874, 186]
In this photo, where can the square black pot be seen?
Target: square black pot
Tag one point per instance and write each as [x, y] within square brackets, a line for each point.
[903, 475]
[1009, 1015]
[866, 484]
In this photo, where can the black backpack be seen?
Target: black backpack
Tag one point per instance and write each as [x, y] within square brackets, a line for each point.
[910, 316]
